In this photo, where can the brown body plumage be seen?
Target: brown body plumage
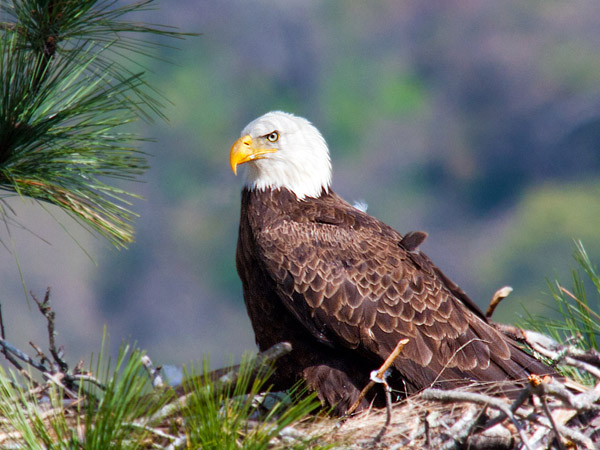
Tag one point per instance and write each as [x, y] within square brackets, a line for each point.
[344, 288]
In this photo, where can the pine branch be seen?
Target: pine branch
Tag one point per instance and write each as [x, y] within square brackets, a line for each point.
[66, 99]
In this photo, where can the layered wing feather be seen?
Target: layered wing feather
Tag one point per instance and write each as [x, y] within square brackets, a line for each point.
[353, 281]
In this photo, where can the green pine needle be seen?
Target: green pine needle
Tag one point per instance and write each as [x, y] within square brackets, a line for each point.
[215, 415]
[577, 310]
[67, 97]
[229, 416]
[110, 415]
[98, 419]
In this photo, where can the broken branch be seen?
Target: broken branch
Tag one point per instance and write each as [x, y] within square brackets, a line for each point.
[380, 374]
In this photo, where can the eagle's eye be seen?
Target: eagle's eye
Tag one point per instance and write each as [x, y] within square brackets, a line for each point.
[273, 137]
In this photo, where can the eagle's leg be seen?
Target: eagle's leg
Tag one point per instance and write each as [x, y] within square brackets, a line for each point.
[339, 386]
[334, 387]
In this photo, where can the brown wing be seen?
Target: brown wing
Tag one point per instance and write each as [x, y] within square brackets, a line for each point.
[348, 280]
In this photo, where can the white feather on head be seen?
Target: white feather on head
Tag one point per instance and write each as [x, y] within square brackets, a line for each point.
[301, 162]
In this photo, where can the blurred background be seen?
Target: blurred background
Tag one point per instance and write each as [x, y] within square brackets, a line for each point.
[477, 121]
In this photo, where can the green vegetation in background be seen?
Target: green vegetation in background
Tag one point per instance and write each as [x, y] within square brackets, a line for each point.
[434, 117]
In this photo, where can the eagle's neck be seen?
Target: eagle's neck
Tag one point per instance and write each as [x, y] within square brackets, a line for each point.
[301, 179]
[278, 199]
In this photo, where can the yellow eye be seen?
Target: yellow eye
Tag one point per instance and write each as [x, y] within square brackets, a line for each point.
[273, 137]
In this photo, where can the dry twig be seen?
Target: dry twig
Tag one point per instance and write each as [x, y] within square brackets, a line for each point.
[499, 295]
[380, 374]
[480, 399]
[153, 372]
[5, 351]
[49, 314]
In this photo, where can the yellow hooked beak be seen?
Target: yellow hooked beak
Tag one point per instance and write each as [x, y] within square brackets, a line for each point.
[243, 150]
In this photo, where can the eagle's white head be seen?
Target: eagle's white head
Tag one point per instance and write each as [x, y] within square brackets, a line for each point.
[283, 151]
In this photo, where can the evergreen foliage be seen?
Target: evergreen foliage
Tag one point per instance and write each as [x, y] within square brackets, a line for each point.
[578, 309]
[223, 417]
[121, 409]
[66, 98]
[97, 418]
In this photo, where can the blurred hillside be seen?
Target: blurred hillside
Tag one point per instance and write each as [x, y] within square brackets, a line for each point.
[477, 121]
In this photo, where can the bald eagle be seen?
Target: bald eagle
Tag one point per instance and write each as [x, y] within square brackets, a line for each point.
[342, 287]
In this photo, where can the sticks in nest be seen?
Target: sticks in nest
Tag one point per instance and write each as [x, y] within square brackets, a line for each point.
[556, 406]
[54, 369]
